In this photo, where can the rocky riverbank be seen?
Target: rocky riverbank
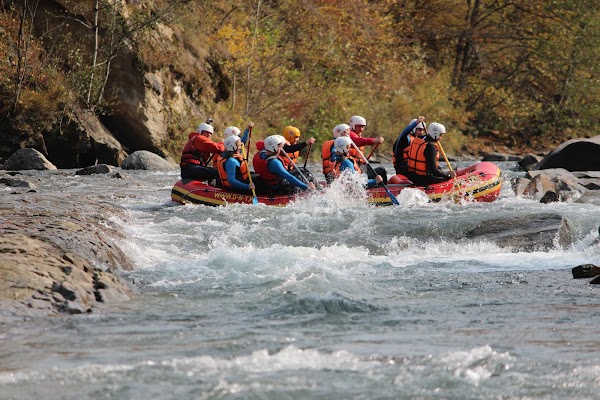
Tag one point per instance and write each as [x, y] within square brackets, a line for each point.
[58, 255]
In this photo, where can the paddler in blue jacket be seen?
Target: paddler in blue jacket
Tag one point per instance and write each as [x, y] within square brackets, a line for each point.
[345, 164]
[274, 176]
[233, 170]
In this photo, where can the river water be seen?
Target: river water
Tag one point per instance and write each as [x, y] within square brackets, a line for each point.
[327, 298]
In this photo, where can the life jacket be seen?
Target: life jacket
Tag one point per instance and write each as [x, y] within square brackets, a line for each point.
[191, 155]
[395, 161]
[260, 163]
[241, 173]
[361, 148]
[338, 164]
[294, 157]
[416, 161]
[326, 152]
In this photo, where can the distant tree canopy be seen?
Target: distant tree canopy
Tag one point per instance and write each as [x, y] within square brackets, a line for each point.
[505, 70]
[520, 73]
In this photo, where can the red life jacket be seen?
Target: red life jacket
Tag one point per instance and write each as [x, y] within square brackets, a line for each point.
[192, 154]
[241, 173]
[260, 167]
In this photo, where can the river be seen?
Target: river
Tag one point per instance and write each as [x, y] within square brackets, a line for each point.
[328, 298]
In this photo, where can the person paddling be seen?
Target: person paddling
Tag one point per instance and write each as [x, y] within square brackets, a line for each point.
[423, 158]
[197, 154]
[416, 128]
[233, 170]
[275, 178]
[345, 164]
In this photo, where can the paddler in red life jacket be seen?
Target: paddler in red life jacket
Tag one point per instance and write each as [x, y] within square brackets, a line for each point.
[197, 154]
[423, 158]
[233, 170]
[268, 163]
[357, 127]
[344, 164]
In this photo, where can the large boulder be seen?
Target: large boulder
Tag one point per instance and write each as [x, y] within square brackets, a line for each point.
[23, 159]
[143, 159]
[574, 155]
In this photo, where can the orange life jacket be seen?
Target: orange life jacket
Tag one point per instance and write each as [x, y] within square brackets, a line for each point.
[241, 173]
[338, 164]
[260, 166]
[326, 153]
[416, 161]
[294, 156]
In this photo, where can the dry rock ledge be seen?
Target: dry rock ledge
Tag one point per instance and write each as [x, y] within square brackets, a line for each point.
[59, 256]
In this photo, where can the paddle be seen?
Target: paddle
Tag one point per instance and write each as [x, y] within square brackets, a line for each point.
[392, 197]
[300, 172]
[249, 137]
[244, 156]
[307, 154]
[449, 167]
[372, 151]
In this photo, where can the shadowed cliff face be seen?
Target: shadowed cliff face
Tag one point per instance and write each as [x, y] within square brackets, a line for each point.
[58, 255]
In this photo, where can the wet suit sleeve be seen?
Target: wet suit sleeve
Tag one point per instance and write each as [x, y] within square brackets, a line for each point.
[231, 166]
[403, 138]
[348, 165]
[244, 137]
[294, 147]
[433, 171]
[276, 167]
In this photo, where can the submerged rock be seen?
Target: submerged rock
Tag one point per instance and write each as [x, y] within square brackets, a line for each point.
[531, 233]
[585, 271]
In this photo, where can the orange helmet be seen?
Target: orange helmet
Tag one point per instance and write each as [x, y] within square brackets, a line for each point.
[290, 133]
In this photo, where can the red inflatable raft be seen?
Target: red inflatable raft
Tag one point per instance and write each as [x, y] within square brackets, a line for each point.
[480, 182]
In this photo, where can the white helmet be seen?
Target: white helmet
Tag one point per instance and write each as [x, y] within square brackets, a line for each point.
[342, 144]
[357, 120]
[206, 127]
[420, 125]
[272, 142]
[231, 130]
[435, 130]
[231, 142]
[341, 130]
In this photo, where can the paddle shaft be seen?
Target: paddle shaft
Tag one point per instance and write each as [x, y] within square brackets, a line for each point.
[249, 137]
[300, 172]
[392, 197]
[244, 155]
[448, 163]
[372, 151]
[307, 154]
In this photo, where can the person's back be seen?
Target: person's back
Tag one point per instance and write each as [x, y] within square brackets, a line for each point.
[197, 154]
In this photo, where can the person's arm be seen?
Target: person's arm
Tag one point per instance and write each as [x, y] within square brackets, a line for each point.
[276, 167]
[244, 137]
[294, 147]
[361, 141]
[231, 166]
[432, 169]
[403, 138]
[203, 143]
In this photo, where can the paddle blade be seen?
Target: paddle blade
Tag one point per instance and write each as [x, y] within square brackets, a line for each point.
[254, 200]
[392, 197]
